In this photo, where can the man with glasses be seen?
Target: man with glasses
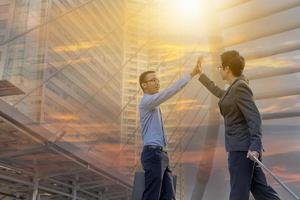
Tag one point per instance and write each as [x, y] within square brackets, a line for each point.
[154, 158]
[243, 134]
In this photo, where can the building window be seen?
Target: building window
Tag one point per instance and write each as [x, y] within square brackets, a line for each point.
[4, 8]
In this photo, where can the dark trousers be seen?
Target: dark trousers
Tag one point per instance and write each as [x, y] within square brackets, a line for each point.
[246, 176]
[158, 176]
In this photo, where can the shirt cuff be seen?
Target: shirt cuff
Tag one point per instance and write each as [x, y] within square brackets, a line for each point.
[202, 78]
[188, 77]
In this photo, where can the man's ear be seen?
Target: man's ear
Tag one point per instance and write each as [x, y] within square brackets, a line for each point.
[144, 85]
[227, 68]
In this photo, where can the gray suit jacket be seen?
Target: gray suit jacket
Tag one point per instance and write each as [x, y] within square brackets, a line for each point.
[241, 116]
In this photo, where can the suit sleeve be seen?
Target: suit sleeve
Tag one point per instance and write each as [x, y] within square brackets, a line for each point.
[156, 99]
[211, 86]
[245, 102]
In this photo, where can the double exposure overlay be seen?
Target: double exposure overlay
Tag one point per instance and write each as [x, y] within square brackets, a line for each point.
[69, 71]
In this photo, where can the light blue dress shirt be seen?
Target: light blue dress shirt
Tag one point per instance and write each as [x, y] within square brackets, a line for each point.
[152, 126]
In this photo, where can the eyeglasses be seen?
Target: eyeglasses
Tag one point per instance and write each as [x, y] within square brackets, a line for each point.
[154, 80]
[220, 67]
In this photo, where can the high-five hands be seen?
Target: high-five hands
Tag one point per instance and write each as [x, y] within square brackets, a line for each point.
[198, 68]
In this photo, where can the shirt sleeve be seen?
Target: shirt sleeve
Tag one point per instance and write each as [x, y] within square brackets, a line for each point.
[151, 101]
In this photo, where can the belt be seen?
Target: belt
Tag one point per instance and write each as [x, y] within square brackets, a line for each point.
[149, 147]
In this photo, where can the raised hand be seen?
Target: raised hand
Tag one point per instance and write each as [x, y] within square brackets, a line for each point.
[198, 68]
[199, 64]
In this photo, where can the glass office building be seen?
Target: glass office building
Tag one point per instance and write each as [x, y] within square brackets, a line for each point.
[69, 119]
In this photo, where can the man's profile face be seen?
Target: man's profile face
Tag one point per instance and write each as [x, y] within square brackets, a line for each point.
[151, 84]
[224, 72]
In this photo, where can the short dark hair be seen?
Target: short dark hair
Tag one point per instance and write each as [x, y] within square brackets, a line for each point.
[143, 76]
[234, 61]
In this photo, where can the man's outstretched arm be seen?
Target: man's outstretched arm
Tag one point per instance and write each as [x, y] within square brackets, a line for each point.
[209, 84]
[151, 101]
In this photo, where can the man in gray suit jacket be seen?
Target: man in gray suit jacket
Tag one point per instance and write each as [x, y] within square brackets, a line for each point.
[242, 130]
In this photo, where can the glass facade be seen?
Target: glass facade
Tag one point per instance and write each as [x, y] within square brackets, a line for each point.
[78, 63]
